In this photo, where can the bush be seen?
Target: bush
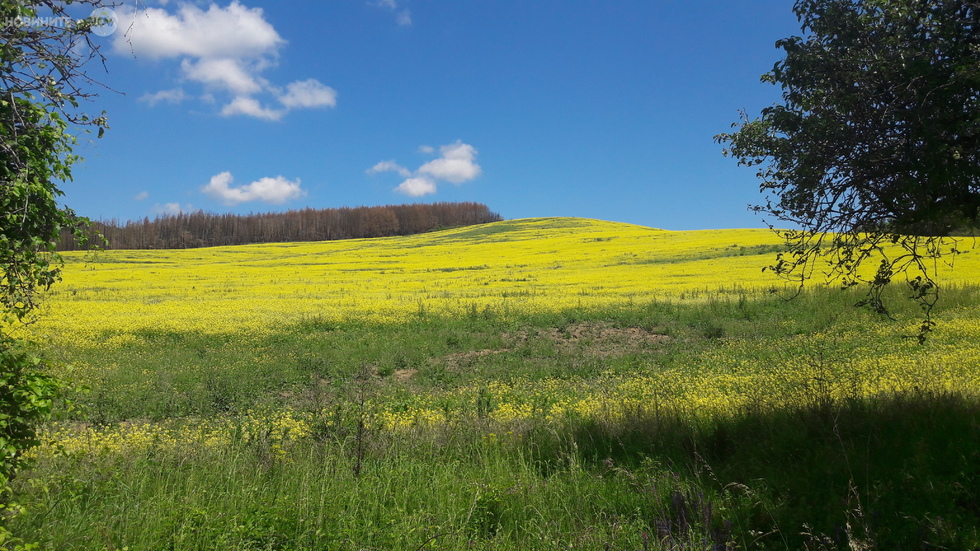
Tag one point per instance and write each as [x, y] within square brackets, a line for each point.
[26, 399]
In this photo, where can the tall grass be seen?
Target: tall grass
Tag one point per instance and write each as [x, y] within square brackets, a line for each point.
[733, 422]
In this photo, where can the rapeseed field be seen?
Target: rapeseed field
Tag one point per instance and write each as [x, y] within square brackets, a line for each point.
[513, 267]
[509, 268]
[542, 344]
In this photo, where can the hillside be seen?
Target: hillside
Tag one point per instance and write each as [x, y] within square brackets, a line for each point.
[549, 383]
[511, 266]
[514, 266]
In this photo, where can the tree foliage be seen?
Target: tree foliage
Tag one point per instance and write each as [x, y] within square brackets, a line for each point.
[874, 153]
[43, 49]
[40, 74]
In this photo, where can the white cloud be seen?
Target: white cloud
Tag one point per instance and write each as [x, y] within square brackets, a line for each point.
[426, 149]
[268, 190]
[390, 166]
[225, 49]
[175, 95]
[308, 93]
[405, 18]
[141, 195]
[456, 165]
[234, 31]
[417, 187]
[224, 74]
[251, 107]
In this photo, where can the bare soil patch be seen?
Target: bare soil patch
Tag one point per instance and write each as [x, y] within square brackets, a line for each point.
[598, 333]
[404, 374]
[590, 338]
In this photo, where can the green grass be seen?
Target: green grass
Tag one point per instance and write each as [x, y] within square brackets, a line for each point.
[708, 254]
[894, 471]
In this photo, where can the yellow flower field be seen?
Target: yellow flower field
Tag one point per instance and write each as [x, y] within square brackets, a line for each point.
[114, 299]
[516, 266]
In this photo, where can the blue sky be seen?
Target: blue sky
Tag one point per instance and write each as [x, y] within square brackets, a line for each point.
[600, 109]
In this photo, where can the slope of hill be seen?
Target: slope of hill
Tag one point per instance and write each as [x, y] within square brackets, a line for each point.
[549, 383]
[520, 265]
[514, 266]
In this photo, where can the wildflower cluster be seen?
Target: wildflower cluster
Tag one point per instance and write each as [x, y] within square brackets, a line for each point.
[275, 428]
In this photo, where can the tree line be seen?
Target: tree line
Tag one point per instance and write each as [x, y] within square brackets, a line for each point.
[206, 229]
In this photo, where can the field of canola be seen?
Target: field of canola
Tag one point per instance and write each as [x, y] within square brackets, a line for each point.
[515, 266]
[116, 300]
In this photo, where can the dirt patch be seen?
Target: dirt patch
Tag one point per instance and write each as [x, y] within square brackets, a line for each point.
[404, 374]
[601, 339]
[593, 338]
[595, 332]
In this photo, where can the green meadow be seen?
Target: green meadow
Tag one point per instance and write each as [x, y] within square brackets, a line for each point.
[714, 418]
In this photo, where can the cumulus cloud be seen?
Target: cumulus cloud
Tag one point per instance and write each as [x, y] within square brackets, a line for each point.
[417, 187]
[390, 166]
[141, 195]
[251, 107]
[457, 164]
[234, 31]
[225, 50]
[224, 73]
[275, 191]
[308, 93]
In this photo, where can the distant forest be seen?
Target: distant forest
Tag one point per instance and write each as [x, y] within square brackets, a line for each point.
[205, 229]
